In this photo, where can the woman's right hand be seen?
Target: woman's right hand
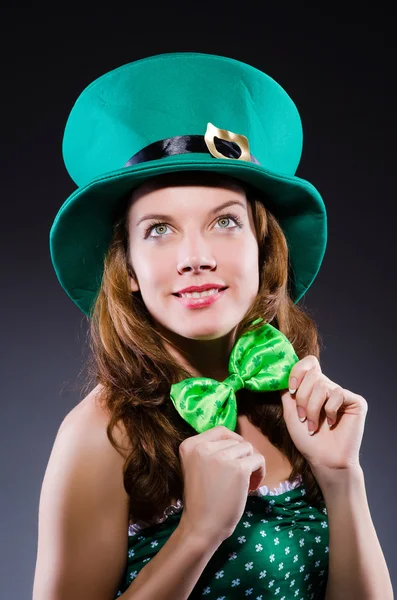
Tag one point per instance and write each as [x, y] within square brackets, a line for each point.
[219, 469]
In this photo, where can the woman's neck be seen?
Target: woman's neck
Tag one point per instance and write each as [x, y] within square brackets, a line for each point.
[202, 358]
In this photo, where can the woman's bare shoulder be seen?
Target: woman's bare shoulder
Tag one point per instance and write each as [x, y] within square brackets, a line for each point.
[92, 410]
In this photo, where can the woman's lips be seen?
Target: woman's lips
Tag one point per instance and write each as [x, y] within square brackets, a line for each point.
[201, 302]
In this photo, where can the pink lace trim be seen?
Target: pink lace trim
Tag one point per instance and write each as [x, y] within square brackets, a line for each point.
[285, 486]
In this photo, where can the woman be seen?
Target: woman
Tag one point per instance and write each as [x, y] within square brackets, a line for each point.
[225, 492]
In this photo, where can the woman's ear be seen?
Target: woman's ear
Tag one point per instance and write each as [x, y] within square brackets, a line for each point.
[132, 277]
[134, 285]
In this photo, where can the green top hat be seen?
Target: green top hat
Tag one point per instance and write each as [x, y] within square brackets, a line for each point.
[173, 112]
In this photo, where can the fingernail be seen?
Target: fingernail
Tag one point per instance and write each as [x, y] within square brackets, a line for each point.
[329, 421]
[292, 388]
[301, 414]
[310, 427]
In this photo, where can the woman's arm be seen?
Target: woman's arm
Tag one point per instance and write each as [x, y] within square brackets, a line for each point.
[357, 567]
[174, 571]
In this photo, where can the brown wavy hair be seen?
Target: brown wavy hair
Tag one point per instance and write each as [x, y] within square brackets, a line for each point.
[130, 361]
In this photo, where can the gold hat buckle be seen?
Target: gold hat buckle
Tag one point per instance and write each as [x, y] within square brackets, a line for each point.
[224, 134]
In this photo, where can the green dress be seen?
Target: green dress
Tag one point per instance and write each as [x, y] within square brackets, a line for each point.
[278, 550]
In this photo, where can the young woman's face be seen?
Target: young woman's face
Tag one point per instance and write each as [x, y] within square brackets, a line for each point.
[194, 243]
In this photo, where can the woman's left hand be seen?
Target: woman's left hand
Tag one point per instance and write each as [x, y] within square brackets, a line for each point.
[329, 448]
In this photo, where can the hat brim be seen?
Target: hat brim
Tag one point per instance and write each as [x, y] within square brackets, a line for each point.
[82, 229]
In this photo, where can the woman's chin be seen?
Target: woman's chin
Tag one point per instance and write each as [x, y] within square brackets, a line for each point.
[205, 331]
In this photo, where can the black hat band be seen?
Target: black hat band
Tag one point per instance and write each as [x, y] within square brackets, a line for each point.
[184, 144]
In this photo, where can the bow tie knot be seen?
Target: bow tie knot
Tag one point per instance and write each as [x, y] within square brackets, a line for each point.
[260, 360]
[235, 382]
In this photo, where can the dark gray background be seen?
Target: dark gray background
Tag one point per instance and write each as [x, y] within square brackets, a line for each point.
[340, 69]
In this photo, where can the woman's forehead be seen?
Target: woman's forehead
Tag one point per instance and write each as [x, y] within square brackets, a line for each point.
[189, 178]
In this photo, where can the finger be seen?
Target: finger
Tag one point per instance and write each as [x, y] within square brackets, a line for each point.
[220, 432]
[333, 404]
[354, 402]
[304, 392]
[319, 396]
[299, 370]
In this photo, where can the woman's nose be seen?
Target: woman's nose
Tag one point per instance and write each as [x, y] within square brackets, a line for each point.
[191, 263]
[195, 253]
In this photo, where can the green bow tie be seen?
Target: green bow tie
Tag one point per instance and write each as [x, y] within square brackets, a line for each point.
[260, 360]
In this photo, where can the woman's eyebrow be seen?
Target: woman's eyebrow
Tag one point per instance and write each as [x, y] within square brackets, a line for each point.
[211, 212]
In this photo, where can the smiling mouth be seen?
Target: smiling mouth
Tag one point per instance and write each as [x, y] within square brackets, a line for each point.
[217, 290]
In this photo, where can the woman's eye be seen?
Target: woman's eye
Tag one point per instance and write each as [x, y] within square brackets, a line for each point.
[156, 226]
[228, 218]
